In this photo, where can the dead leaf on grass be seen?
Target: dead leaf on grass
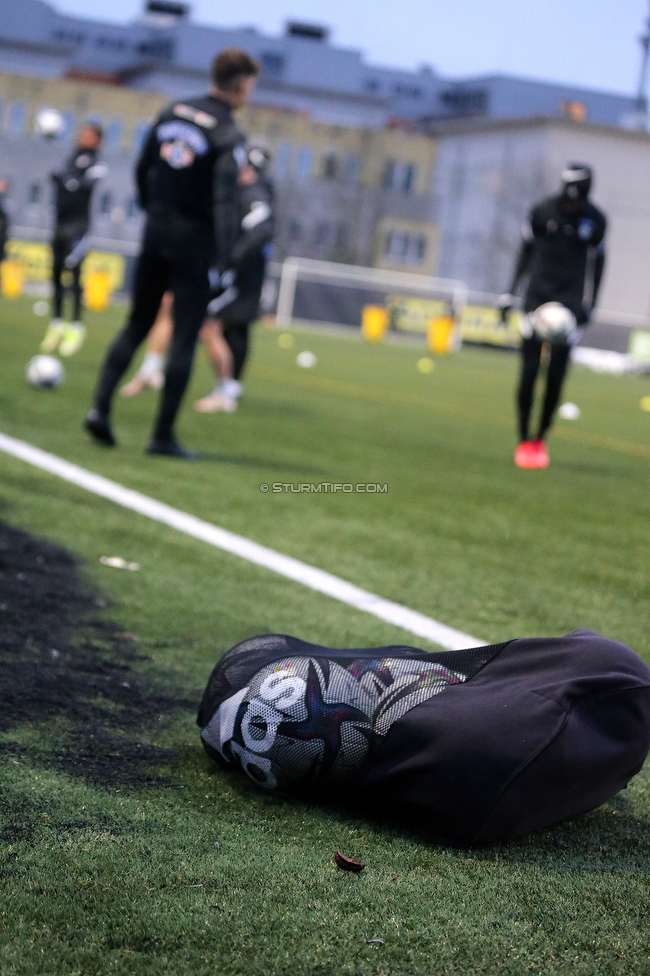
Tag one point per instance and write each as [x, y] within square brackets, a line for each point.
[348, 863]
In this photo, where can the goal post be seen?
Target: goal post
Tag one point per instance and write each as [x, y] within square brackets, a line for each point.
[338, 292]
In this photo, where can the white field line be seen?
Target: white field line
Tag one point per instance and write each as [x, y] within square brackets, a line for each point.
[315, 579]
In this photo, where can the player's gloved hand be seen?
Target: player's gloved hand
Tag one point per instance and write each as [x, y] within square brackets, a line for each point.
[96, 172]
[227, 279]
[575, 336]
[505, 303]
[584, 314]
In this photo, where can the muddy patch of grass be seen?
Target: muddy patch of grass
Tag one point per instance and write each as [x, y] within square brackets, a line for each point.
[73, 676]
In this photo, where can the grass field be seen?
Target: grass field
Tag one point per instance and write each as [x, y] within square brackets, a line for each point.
[165, 865]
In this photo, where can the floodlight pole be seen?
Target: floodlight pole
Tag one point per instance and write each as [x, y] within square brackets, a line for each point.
[641, 101]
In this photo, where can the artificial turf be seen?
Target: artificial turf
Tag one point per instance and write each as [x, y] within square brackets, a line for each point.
[188, 870]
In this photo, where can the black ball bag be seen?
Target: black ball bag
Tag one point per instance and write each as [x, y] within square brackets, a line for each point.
[467, 747]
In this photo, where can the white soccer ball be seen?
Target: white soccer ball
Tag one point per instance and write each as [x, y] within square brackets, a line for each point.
[44, 372]
[552, 321]
[569, 411]
[49, 123]
[306, 359]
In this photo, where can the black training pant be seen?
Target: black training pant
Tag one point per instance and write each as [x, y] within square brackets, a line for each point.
[236, 335]
[531, 352]
[176, 255]
[62, 245]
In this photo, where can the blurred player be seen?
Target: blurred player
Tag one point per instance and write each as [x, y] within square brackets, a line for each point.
[151, 374]
[563, 256]
[187, 183]
[73, 189]
[226, 333]
[4, 220]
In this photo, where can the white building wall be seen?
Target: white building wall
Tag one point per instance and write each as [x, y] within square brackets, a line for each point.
[621, 162]
[486, 181]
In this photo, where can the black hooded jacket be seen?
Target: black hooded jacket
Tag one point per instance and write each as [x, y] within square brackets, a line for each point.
[564, 256]
[189, 167]
[73, 188]
[249, 254]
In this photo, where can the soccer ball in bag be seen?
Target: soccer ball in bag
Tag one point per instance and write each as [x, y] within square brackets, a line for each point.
[49, 123]
[44, 372]
[552, 321]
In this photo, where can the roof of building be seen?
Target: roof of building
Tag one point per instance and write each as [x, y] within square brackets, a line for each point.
[164, 48]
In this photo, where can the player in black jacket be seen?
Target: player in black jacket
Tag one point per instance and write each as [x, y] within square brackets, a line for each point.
[229, 324]
[563, 257]
[187, 183]
[73, 189]
[4, 221]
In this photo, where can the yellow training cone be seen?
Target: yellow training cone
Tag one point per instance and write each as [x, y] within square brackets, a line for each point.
[12, 277]
[97, 290]
[439, 335]
[374, 322]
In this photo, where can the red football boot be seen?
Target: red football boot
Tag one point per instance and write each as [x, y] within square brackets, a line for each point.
[542, 459]
[526, 455]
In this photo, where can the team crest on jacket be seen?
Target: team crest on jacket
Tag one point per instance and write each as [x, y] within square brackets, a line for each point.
[586, 229]
[309, 720]
[180, 143]
[177, 154]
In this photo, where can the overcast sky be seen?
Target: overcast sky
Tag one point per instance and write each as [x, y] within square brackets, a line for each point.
[586, 42]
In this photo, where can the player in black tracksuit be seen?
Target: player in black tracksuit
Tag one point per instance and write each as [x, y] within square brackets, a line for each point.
[4, 221]
[563, 256]
[249, 257]
[187, 183]
[73, 189]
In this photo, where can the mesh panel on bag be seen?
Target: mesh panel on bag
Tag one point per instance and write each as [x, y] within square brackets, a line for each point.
[293, 714]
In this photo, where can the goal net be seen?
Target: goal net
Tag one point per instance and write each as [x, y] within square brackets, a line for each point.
[336, 294]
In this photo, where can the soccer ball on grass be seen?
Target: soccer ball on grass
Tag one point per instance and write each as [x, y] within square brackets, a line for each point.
[44, 372]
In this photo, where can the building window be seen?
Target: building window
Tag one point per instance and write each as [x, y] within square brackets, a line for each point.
[105, 203]
[294, 230]
[342, 236]
[399, 176]
[321, 233]
[389, 174]
[68, 125]
[304, 164]
[272, 64]
[110, 43]
[17, 118]
[404, 248]
[282, 160]
[372, 85]
[408, 91]
[69, 37]
[34, 192]
[351, 169]
[139, 135]
[464, 101]
[330, 166]
[113, 134]
[158, 48]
